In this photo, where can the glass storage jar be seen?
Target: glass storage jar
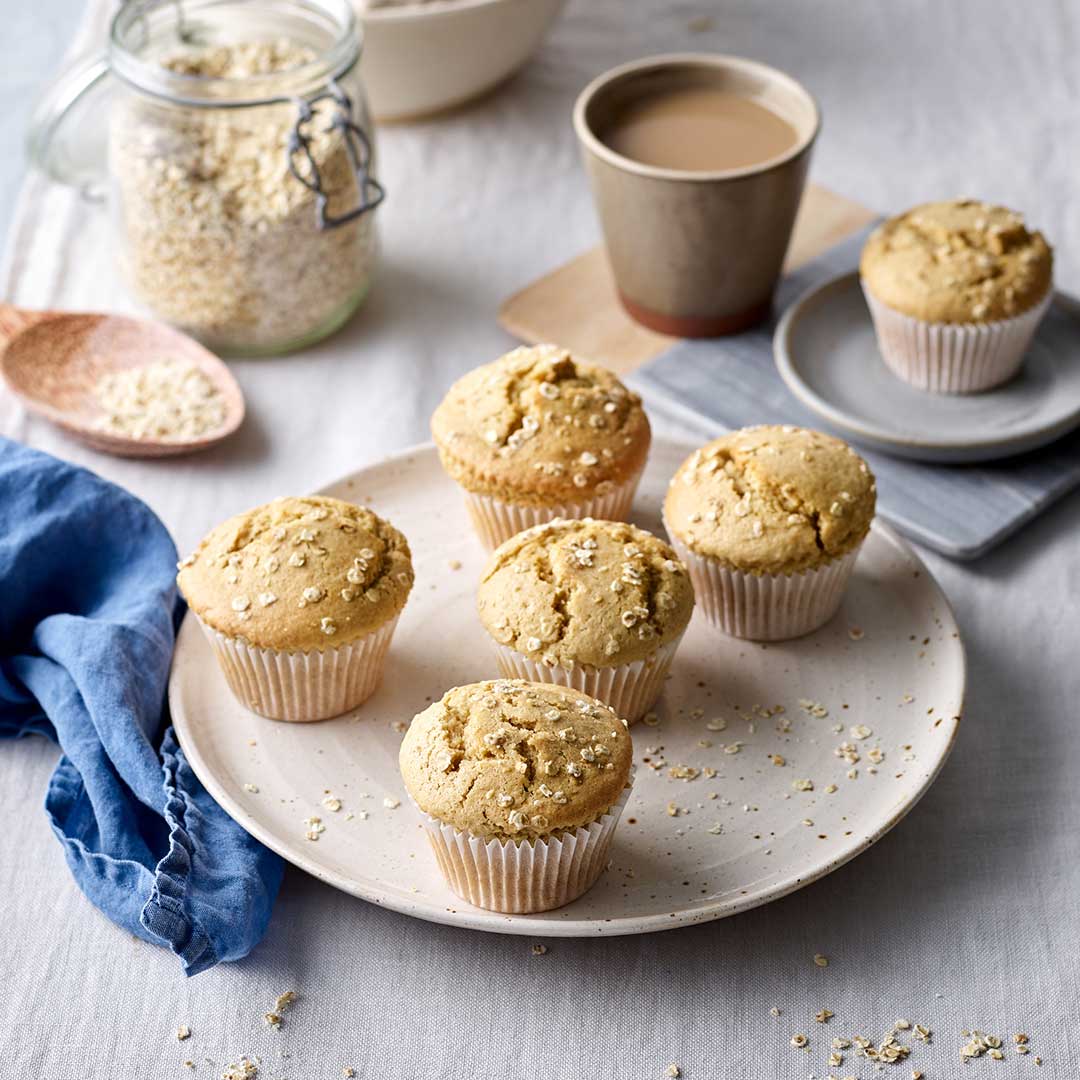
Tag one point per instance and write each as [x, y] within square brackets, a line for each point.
[240, 164]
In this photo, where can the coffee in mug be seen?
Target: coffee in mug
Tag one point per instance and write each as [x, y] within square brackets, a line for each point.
[698, 129]
[697, 163]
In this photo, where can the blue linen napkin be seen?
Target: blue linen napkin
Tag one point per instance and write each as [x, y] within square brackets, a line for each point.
[88, 616]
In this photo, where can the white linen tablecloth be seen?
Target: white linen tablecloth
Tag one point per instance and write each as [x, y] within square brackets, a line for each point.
[966, 916]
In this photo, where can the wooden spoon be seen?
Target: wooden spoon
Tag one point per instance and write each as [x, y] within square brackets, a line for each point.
[53, 361]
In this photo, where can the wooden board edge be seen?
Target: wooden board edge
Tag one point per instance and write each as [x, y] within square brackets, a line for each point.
[575, 304]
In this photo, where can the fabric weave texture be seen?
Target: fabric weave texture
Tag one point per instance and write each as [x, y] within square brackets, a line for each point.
[88, 619]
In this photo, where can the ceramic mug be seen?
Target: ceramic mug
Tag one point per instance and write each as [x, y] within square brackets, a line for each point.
[696, 254]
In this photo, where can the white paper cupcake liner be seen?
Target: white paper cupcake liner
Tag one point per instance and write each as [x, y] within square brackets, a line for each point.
[522, 877]
[496, 521]
[630, 689]
[950, 359]
[766, 607]
[298, 686]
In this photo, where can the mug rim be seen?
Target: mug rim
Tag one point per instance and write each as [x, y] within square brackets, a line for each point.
[589, 139]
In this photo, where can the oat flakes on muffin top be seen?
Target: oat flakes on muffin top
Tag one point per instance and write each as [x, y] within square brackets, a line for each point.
[957, 262]
[772, 499]
[599, 593]
[299, 574]
[516, 760]
[540, 427]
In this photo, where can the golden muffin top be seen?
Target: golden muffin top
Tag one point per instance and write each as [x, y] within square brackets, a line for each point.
[516, 760]
[957, 262]
[598, 593]
[299, 574]
[772, 500]
[542, 428]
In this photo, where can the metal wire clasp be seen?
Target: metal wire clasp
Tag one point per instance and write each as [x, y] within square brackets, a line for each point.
[357, 145]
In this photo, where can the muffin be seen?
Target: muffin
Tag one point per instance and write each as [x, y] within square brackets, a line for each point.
[597, 605]
[769, 521]
[956, 291]
[299, 599]
[520, 787]
[538, 435]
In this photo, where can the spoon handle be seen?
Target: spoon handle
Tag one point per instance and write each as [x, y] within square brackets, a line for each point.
[14, 320]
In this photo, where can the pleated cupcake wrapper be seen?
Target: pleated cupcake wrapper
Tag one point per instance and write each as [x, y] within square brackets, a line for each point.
[948, 359]
[766, 607]
[299, 686]
[630, 689]
[521, 878]
[496, 521]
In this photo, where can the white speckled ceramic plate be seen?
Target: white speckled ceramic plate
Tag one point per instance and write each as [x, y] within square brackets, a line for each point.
[739, 839]
[827, 355]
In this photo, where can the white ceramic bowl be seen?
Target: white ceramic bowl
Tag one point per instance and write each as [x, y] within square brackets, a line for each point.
[421, 58]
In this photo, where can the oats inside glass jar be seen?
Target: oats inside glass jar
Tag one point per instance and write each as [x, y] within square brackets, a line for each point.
[217, 235]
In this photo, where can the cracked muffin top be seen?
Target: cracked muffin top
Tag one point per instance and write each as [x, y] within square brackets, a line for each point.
[299, 574]
[541, 428]
[957, 262]
[771, 500]
[510, 759]
[599, 593]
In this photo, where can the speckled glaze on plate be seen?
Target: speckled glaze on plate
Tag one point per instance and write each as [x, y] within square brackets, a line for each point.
[827, 355]
[902, 677]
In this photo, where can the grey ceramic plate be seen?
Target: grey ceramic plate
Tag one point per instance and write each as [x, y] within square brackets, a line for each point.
[826, 354]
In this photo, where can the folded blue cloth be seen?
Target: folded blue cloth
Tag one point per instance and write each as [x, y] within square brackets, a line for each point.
[88, 615]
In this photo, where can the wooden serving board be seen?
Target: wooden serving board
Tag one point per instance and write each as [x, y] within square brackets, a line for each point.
[576, 304]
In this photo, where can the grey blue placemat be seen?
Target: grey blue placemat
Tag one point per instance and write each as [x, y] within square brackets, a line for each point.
[960, 510]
